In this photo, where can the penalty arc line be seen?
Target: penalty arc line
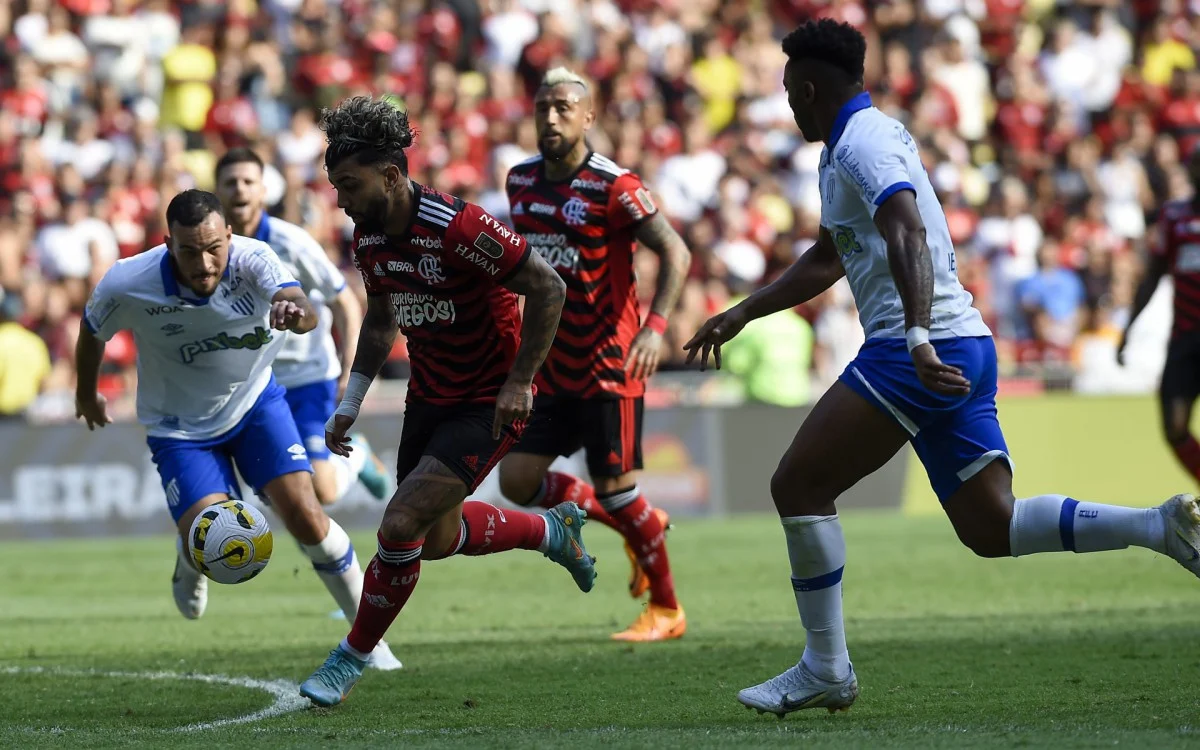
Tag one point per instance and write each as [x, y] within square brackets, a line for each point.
[286, 694]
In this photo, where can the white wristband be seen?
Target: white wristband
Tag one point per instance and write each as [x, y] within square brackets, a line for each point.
[356, 390]
[916, 336]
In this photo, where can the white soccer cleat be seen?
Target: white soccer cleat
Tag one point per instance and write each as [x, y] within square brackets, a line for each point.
[797, 689]
[190, 589]
[1181, 519]
[383, 659]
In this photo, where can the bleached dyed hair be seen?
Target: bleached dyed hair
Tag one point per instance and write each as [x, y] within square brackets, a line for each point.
[559, 75]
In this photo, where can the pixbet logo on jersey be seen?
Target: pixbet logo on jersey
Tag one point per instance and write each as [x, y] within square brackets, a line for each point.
[254, 340]
[524, 180]
[581, 184]
[429, 243]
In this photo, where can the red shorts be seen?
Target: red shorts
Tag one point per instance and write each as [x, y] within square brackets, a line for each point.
[459, 436]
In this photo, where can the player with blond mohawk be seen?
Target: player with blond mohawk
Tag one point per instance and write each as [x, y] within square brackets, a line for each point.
[447, 274]
[585, 215]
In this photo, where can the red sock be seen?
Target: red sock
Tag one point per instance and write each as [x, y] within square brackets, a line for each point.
[640, 526]
[1188, 453]
[390, 580]
[490, 530]
[558, 488]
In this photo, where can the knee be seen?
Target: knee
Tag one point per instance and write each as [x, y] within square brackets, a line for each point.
[989, 539]
[304, 518]
[1176, 435]
[517, 485]
[795, 493]
[402, 523]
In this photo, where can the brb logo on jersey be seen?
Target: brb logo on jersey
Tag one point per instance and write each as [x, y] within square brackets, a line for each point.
[575, 211]
[430, 268]
[254, 340]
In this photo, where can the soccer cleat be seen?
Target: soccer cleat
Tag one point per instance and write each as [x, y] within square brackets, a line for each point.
[1181, 519]
[189, 587]
[656, 623]
[330, 684]
[639, 582]
[797, 689]
[374, 474]
[383, 659]
[564, 543]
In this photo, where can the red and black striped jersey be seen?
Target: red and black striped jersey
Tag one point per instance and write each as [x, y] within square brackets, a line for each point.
[584, 227]
[1178, 242]
[443, 278]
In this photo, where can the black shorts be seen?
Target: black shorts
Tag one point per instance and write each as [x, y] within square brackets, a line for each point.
[460, 436]
[1181, 373]
[609, 429]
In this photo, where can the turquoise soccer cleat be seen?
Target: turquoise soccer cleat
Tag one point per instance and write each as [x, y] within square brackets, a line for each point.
[374, 474]
[564, 544]
[330, 684]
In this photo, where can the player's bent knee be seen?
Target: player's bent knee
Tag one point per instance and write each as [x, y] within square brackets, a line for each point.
[402, 523]
[518, 483]
[294, 499]
[794, 494]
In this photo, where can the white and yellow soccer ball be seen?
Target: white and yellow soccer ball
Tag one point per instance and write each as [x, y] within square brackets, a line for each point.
[231, 542]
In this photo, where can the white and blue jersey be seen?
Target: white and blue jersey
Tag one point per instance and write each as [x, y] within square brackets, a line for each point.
[307, 365]
[869, 158]
[206, 394]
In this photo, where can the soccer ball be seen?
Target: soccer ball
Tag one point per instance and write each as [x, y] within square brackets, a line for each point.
[231, 542]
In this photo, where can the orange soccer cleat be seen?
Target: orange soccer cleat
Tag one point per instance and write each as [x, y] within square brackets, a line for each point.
[639, 582]
[655, 623]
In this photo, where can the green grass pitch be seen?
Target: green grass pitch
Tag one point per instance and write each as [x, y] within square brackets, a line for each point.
[1060, 651]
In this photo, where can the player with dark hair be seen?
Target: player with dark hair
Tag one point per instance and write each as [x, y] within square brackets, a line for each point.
[206, 310]
[447, 274]
[926, 376]
[307, 366]
[1175, 250]
[585, 216]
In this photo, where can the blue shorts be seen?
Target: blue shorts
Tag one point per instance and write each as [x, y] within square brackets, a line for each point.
[954, 436]
[311, 406]
[264, 445]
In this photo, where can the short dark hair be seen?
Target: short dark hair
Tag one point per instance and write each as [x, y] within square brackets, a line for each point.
[839, 45]
[191, 207]
[372, 131]
[237, 155]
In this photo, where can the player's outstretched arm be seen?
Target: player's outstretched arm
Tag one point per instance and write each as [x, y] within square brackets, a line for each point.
[899, 222]
[814, 272]
[674, 260]
[544, 292]
[89, 353]
[291, 311]
[375, 341]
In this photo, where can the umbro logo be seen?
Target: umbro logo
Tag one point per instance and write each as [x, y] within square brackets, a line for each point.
[297, 451]
[172, 329]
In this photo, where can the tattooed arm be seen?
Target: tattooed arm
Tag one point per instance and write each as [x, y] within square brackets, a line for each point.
[674, 260]
[376, 337]
[544, 292]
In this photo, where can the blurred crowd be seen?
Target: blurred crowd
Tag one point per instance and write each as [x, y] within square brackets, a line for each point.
[1052, 131]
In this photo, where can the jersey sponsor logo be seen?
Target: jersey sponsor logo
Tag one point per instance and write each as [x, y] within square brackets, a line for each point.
[430, 268]
[525, 180]
[846, 242]
[546, 238]
[581, 184]
[473, 256]
[371, 239]
[378, 600]
[413, 310]
[575, 211]
[638, 204]
[542, 208]
[163, 310]
[254, 340]
[489, 246]
[519, 209]
[172, 329]
[1188, 258]
[851, 166]
[429, 243]
[557, 257]
[402, 265]
[513, 238]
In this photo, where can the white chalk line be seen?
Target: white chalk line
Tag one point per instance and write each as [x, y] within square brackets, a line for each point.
[286, 693]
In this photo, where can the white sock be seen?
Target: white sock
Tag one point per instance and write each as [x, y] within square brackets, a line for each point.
[184, 556]
[355, 652]
[336, 564]
[545, 545]
[817, 549]
[1055, 523]
[344, 476]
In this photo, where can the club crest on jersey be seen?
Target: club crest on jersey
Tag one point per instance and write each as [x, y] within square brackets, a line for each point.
[575, 211]
[525, 180]
[430, 268]
[254, 340]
